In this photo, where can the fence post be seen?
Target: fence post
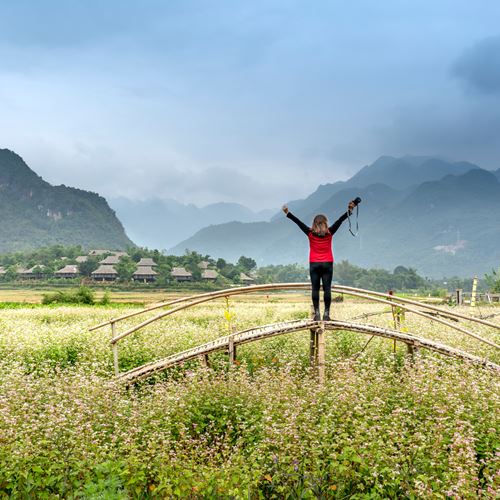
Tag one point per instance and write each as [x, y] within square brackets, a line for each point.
[321, 354]
[204, 361]
[115, 349]
[313, 344]
[459, 296]
[232, 349]
[473, 296]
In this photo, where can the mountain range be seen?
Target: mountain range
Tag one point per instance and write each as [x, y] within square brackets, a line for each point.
[157, 223]
[34, 213]
[440, 217]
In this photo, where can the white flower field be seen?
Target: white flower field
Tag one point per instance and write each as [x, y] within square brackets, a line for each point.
[383, 425]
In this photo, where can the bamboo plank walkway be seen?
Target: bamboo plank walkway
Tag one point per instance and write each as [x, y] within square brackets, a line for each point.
[229, 342]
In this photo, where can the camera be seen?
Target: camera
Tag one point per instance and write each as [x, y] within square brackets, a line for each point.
[356, 201]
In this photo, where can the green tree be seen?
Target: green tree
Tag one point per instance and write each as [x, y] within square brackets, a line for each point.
[10, 273]
[493, 280]
[89, 266]
[246, 263]
[125, 268]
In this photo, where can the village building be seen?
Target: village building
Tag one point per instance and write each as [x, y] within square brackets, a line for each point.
[110, 260]
[2, 270]
[246, 279]
[81, 258]
[146, 262]
[203, 264]
[24, 273]
[105, 273]
[69, 271]
[209, 275]
[180, 274]
[36, 272]
[145, 273]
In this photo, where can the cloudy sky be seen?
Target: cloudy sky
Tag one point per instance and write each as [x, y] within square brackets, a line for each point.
[254, 101]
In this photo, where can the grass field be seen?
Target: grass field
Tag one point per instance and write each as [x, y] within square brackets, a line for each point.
[382, 426]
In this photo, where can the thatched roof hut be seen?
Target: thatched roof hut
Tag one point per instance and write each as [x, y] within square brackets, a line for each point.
[146, 262]
[203, 264]
[144, 273]
[209, 275]
[68, 271]
[245, 279]
[110, 260]
[105, 273]
[180, 274]
[33, 273]
[82, 258]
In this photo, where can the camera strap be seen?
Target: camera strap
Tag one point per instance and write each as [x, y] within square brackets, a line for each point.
[357, 223]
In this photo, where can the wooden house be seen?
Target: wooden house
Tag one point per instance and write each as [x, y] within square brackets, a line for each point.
[69, 271]
[34, 273]
[146, 262]
[246, 279]
[209, 275]
[180, 274]
[82, 258]
[105, 273]
[110, 260]
[145, 273]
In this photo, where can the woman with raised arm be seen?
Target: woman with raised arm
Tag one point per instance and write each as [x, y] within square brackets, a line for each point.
[320, 255]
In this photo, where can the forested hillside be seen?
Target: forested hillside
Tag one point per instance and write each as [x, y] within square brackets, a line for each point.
[35, 213]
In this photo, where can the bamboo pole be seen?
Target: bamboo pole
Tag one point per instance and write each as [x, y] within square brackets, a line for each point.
[266, 331]
[291, 286]
[203, 298]
[340, 288]
[321, 350]
[347, 290]
[212, 295]
[424, 315]
[232, 350]
[204, 362]
[115, 350]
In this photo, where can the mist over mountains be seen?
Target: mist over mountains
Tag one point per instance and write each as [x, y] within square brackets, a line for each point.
[161, 224]
[34, 213]
[442, 218]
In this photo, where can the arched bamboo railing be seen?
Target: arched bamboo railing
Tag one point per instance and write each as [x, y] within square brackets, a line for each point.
[230, 342]
[391, 300]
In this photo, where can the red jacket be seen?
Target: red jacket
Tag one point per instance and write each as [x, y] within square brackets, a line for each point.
[320, 247]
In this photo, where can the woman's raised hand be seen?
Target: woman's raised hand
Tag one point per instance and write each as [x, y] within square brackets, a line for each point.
[351, 206]
[285, 209]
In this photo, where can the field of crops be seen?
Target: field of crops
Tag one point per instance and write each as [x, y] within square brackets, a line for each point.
[382, 425]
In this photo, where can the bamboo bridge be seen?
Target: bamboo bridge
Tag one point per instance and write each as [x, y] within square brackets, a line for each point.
[317, 329]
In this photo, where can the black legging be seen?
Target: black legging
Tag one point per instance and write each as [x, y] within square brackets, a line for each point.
[321, 271]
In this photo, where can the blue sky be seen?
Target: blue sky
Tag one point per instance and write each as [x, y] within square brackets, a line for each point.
[251, 101]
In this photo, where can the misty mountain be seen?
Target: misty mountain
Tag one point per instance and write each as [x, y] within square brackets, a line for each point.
[441, 227]
[34, 213]
[163, 223]
[398, 173]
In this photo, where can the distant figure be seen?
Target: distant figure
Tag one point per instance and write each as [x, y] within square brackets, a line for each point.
[320, 256]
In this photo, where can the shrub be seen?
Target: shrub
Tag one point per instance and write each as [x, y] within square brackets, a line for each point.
[83, 295]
